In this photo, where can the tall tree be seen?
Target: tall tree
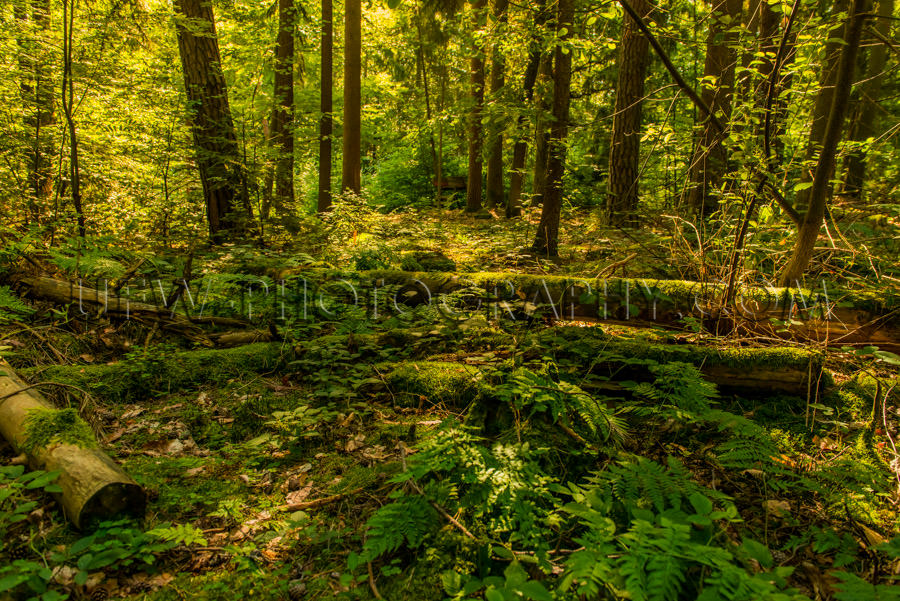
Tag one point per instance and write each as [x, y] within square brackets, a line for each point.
[820, 192]
[498, 77]
[476, 75]
[68, 104]
[709, 160]
[350, 177]
[520, 150]
[625, 147]
[830, 66]
[325, 107]
[38, 101]
[283, 113]
[543, 93]
[218, 157]
[867, 110]
[546, 241]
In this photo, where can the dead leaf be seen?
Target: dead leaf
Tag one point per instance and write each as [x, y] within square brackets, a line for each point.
[298, 496]
[195, 471]
[778, 508]
[355, 443]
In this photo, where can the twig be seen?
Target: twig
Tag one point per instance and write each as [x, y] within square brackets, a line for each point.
[372, 581]
[316, 503]
[611, 268]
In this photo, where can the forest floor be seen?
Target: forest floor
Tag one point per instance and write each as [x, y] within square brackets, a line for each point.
[411, 458]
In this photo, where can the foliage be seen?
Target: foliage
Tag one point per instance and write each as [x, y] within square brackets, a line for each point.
[11, 306]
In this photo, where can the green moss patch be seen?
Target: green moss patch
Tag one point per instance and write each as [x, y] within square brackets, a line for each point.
[45, 427]
[435, 383]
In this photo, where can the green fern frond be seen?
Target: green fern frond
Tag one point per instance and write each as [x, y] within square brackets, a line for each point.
[11, 306]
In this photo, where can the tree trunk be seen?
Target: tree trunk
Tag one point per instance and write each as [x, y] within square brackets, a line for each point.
[625, 147]
[326, 127]
[547, 239]
[350, 177]
[709, 160]
[865, 124]
[68, 103]
[820, 192]
[541, 133]
[38, 101]
[218, 157]
[824, 100]
[495, 145]
[476, 74]
[93, 487]
[283, 113]
[520, 151]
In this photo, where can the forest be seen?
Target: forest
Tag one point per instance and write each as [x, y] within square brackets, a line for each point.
[445, 300]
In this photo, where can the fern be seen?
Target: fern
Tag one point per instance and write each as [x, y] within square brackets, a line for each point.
[408, 520]
[11, 306]
[854, 588]
[679, 385]
[641, 482]
[539, 393]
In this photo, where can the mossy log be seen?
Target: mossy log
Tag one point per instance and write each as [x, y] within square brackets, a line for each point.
[743, 371]
[93, 487]
[91, 301]
[157, 372]
[823, 315]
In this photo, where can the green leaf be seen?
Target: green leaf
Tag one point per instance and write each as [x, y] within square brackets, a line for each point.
[701, 503]
[802, 186]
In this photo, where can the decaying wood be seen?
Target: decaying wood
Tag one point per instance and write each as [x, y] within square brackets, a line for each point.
[93, 487]
[774, 313]
[91, 301]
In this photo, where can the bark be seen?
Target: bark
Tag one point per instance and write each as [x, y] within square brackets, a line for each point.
[547, 239]
[865, 124]
[68, 103]
[820, 192]
[520, 150]
[625, 147]
[495, 144]
[709, 161]
[350, 177]
[39, 103]
[218, 156]
[544, 87]
[476, 74]
[94, 488]
[830, 66]
[326, 126]
[283, 113]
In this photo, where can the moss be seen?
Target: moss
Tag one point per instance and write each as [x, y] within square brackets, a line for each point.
[152, 372]
[588, 344]
[45, 427]
[435, 382]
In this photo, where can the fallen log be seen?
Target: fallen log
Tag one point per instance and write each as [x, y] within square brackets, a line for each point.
[824, 316]
[753, 371]
[94, 488]
[163, 373]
